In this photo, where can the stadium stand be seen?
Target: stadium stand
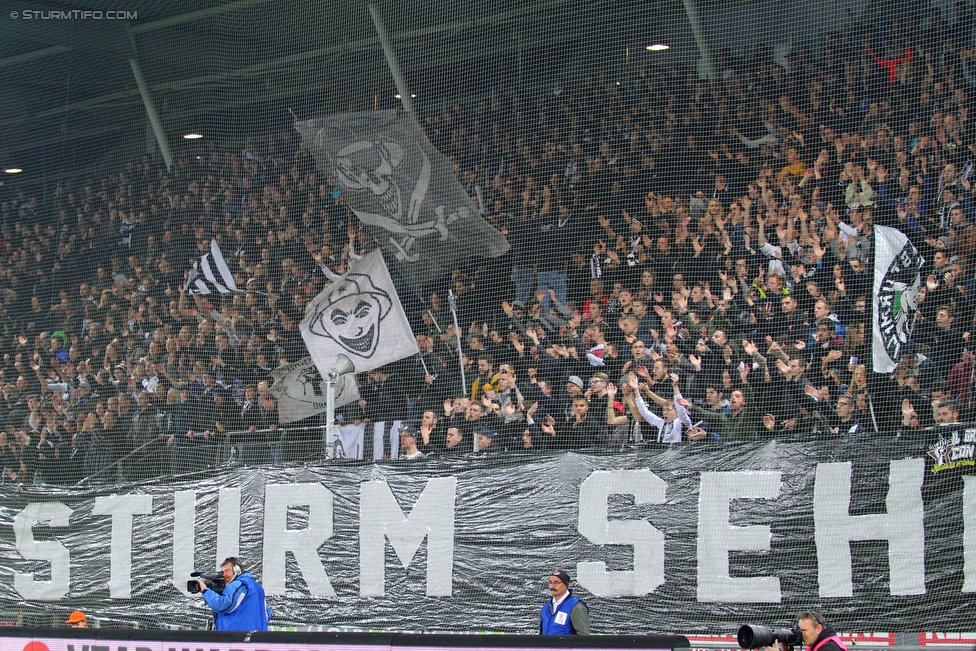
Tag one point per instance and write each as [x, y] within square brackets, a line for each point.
[692, 262]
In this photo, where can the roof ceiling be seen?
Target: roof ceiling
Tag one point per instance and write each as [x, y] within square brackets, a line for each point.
[71, 101]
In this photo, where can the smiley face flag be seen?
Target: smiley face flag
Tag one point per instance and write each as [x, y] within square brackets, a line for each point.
[360, 316]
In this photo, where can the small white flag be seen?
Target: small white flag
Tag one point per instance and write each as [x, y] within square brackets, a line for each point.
[349, 441]
[301, 391]
[359, 316]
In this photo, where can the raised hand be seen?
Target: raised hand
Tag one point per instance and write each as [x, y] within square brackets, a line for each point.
[633, 382]
[550, 426]
[519, 346]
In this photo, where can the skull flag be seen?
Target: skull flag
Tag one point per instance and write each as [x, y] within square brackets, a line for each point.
[300, 390]
[360, 316]
[403, 189]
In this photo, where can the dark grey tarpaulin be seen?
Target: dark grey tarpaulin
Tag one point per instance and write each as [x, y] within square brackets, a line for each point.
[404, 189]
[478, 537]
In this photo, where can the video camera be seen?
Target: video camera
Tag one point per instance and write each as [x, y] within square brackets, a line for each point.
[213, 581]
[756, 637]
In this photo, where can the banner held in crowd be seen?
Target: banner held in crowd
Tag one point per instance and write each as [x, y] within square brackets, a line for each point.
[300, 390]
[359, 315]
[404, 189]
[897, 278]
[210, 274]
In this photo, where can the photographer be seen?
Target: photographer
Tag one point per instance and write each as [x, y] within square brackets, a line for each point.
[815, 634]
[241, 606]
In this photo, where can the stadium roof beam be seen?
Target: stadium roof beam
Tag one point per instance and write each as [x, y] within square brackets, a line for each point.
[691, 10]
[157, 125]
[147, 100]
[17, 59]
[391, 58]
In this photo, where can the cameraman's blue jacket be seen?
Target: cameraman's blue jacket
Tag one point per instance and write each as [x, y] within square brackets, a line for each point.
[241, 607]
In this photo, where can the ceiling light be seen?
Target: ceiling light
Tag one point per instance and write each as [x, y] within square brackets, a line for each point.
[658, 47]
[413, 95]
[193, 136]
[13, 170]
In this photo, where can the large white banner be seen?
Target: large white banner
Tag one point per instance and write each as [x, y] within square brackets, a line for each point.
[654, 541]
[359, 316]
[897, 279]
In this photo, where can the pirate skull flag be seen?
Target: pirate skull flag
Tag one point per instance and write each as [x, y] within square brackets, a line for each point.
[301, 390]
[403, 189]
[360, 316]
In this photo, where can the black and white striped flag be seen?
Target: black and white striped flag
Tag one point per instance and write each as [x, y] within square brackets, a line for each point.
[210, 274]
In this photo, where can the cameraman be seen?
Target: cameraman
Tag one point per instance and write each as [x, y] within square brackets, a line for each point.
[241, 606]
[817, 636]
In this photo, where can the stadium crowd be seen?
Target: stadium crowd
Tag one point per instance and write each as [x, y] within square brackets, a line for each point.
[690, 261]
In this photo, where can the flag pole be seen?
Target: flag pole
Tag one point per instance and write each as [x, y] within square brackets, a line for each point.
[330, 416]
[452, 301]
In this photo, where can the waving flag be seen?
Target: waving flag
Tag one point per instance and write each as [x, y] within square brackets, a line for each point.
[301, 390]
[403, 189]
[360, 316]
[210, 274]
[897, 279]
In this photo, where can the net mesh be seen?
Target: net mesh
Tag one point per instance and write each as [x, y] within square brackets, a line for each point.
[694, 229]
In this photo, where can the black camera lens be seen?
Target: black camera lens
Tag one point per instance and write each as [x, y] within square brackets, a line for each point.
[756, 637]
